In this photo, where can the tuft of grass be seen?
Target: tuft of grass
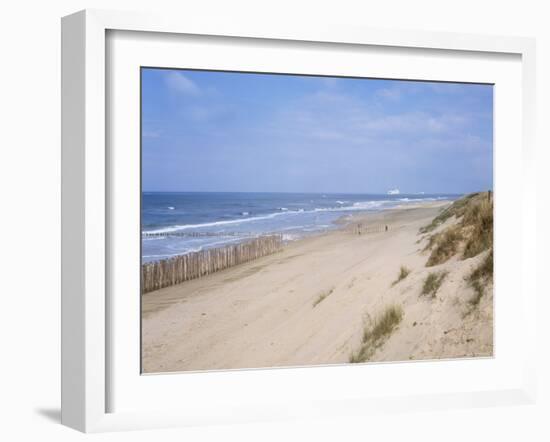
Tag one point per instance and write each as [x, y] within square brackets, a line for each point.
[473, 234]
[377, 332]
[403, 273]
[432, 283]
[479, 290]
[485, 269]
[322, 296]
[479, 278]
[432, 241]
[445, 245]
[479, 219]
[456, 209]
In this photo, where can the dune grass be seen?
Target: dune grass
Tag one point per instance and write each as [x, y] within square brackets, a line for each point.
[445, 245]
[432, 240]
[432, 283]
[456, 209]
[377, 332]
[472, 235]
[479, 278]
[479, 217]
[403, 273]
[322, 296]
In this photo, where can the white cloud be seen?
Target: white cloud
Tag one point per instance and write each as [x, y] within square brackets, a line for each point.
[330, 82]
[147, 133]
[328, 120]
[392, 94]
[180, 83]
[414, 123]
[323, 113]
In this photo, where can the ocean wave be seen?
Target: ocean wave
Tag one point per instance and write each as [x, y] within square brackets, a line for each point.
[360, 205]
[290, 237]
[357, 206]
[199, 248]
[298, 227]
[177, 228]
[153, 238]
[316, 228]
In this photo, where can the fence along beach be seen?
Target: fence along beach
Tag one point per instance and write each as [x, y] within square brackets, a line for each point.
[178, 269]
[258, 225]
[171, 271]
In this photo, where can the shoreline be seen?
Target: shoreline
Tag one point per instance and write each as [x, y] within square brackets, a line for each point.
[342, 222]
[307, 304]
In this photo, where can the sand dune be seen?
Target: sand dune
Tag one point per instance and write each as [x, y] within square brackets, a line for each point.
[309, 304]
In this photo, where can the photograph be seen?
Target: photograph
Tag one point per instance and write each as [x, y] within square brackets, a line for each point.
[292, 220]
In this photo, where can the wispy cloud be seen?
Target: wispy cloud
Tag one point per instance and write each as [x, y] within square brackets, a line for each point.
[330, 82]
[178, 82]
[335, 134]
[343, 117]
[150, 133]
[390, 93]
[414, 123]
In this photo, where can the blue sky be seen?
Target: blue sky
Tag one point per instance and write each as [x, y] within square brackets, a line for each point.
[218, 131]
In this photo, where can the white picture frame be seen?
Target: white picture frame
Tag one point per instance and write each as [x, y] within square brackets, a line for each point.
[87, 203]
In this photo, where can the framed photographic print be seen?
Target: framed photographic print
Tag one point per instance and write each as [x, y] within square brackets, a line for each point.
[315, 259]
[272, 223]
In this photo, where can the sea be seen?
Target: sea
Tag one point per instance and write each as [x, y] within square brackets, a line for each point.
[176, 223]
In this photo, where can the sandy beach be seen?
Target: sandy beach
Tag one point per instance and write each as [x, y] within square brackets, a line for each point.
[309, 304]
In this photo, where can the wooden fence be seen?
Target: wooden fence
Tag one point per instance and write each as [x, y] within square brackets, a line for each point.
[171, 271]
[363, 228]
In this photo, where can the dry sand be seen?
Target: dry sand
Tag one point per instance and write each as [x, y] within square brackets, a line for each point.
[262, 314]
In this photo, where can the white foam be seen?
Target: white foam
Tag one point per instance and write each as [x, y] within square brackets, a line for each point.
[199, 248]
[290, 237]
[213, 224]
[291, 228]
[153, 238]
